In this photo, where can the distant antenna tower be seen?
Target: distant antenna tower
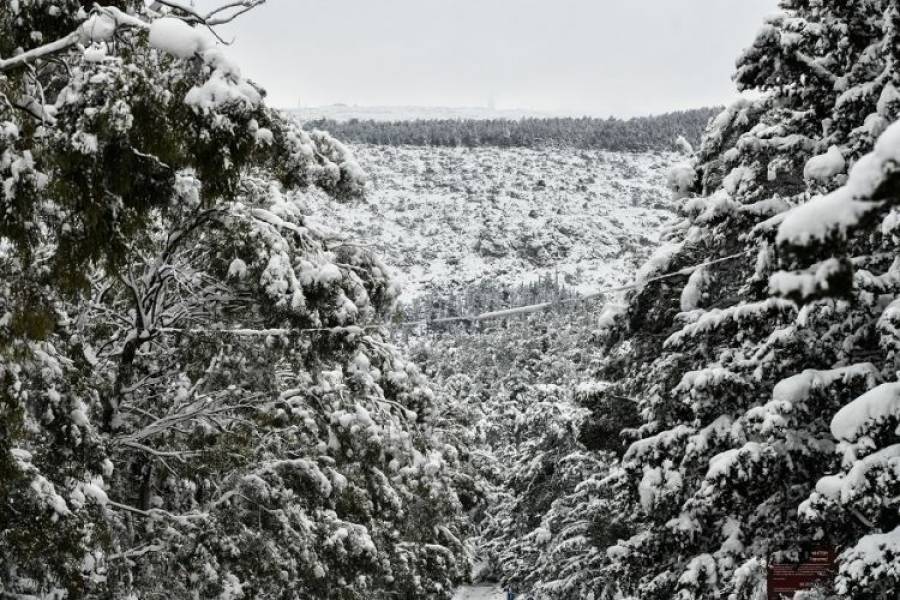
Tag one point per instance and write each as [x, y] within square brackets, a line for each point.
[492, 103]
[299, 102]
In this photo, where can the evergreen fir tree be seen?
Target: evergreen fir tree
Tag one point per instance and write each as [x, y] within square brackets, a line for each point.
[764, 371]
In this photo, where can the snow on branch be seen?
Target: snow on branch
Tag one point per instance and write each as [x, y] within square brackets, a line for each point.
[843, 209]
[100, 26]
[218, 16]
[105, 21]
[876, 406]
[39, 52]
[153, 513]
[817, 68]
[873, 558]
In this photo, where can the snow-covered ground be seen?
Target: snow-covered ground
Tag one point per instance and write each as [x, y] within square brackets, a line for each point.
[480, 592]
[447, 218]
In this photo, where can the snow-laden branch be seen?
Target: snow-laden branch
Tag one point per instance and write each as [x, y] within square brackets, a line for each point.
[154, 513]
[817, 68]
[102, 25]
[40, 52]
[105, 21]
[214, 17]
[35, 109]
[169, 422]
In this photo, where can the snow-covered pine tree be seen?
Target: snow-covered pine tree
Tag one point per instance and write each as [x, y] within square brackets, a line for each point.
[764, 371]
[193, 399]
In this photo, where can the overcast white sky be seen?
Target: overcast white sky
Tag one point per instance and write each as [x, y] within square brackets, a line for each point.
[599, 57]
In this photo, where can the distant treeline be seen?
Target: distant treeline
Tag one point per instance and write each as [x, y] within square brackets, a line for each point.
[637, 134]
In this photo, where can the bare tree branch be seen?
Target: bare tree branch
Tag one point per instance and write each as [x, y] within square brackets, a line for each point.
[179, 454]
[210, 19]
[155, 512]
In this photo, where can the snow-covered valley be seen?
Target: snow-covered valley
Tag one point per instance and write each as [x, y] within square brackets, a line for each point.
[447, 221]
[480, 592]
[446, 218]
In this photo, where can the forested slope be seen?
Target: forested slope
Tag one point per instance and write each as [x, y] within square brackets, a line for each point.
[450, 219]
[639, 134]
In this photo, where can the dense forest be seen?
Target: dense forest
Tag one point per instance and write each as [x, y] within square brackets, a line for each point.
[632, 135]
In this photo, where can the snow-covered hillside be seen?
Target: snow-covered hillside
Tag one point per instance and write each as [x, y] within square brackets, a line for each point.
[447, 218]
[480, 592]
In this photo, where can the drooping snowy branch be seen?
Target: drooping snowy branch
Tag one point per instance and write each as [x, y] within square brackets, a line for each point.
[100, 26]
